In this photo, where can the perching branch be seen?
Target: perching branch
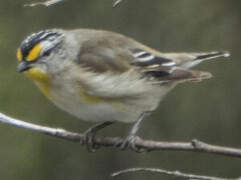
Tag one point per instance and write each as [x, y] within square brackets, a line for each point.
[170, 173]
[147, 145]
[53, 2]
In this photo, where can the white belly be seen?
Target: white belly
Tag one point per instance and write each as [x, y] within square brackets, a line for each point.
[72, 103]
[74, 100]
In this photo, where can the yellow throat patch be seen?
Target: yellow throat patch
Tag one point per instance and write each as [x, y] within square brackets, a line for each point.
[41, 79]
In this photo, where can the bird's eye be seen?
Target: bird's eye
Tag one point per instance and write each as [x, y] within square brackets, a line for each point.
[47, 53]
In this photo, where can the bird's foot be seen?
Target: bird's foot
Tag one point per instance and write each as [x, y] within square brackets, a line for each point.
[130, 142]
[89, 136]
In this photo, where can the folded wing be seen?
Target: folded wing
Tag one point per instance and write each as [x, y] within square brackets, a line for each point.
[173, 66]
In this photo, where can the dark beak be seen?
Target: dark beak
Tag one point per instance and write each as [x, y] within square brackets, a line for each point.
[23, 66]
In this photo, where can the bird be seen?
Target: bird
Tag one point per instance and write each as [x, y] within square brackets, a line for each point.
[105, 77]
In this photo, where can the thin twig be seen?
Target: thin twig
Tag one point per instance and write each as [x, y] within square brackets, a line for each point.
[117, 2]
[53, 2]
[170, 173]
[147, 145]
[45, 3]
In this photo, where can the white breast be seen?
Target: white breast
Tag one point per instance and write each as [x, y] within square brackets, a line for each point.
[123, 98]
[72, 103]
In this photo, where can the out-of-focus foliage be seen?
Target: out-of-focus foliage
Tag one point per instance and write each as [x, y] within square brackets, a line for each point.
[209, 111]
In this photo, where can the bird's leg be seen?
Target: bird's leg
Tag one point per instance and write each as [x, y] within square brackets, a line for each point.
[90, 133]
[130, 139]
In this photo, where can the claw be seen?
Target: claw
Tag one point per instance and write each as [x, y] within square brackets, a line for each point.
[90, 134]
[131, 138]
[130, 142]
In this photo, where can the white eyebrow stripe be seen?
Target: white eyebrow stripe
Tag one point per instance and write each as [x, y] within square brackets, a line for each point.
[45, 35]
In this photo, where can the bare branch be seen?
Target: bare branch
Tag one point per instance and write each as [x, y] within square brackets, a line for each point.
[53, 2]
[45, 3]
[170, 173]
[147, 145]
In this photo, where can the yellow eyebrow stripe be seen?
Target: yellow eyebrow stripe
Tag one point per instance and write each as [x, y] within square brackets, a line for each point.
[19, 55]
[34, 52]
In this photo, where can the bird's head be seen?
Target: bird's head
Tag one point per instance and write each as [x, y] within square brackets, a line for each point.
[36, 55]
[36, 51]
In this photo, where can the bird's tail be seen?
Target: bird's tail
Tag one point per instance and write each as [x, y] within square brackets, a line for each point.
[190, 60]
[211, 55]
[181, 75]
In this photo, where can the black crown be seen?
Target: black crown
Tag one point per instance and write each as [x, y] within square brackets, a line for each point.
[36, 38]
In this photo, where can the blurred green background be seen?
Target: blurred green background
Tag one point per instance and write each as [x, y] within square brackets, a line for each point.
[209, 111]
